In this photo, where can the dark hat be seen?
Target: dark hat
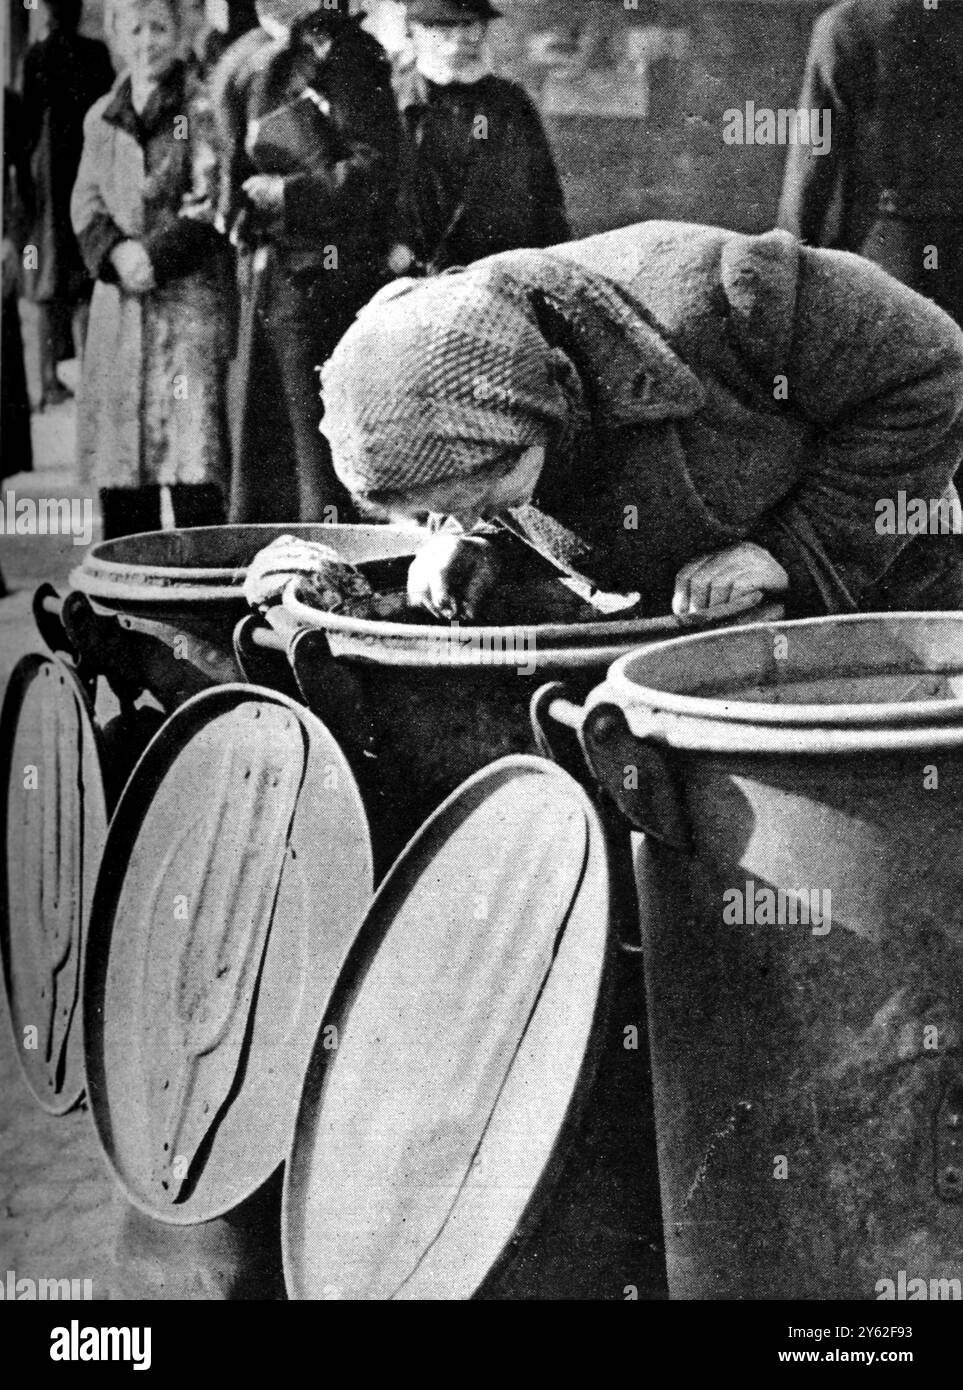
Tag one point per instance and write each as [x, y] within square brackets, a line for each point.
[450, 11]
[65, 11]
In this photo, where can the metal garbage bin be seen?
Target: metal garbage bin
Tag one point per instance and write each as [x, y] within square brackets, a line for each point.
[419, 708]
[801, 790]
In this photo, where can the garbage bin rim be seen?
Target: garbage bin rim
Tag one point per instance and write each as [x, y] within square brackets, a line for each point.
[100, 576]
[716, 723]
[393, 643]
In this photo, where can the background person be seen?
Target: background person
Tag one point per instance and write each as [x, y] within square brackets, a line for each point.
[151, 411]
[15, 428]
[63, 76]
[309, 139]
[16, 455]
[225, 21]
[891, 73]
[622, 398]
[479, 176]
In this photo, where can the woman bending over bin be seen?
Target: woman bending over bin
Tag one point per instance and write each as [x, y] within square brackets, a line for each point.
[698, 416]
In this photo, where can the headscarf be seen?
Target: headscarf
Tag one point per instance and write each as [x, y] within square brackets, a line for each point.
[442, 378]
[434, 384]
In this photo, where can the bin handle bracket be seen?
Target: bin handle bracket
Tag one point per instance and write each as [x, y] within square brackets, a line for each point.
[556, 728]
[638, 775]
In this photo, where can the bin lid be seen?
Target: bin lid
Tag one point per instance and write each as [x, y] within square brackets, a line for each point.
[54, 818]
[237, 871]
[456, 1045]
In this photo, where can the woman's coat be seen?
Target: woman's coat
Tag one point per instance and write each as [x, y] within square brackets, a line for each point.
[152, 400]
[767, 392]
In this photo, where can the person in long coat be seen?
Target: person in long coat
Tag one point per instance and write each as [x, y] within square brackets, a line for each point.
[695, 415]
[478, 176]
[309, 138]
[63, 76]
[152, 407]
[17, 454]
[890, 72]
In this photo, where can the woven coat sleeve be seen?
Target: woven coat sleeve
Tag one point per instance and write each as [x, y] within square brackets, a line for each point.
[878, 372]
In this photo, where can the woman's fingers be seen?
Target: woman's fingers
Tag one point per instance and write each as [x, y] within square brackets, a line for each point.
[741, 574]
[451, 575]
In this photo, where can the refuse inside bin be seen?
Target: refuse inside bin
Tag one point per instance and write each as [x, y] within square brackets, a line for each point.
[419, 707]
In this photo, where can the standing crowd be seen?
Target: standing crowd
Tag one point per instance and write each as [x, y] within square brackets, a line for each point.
[208, 225]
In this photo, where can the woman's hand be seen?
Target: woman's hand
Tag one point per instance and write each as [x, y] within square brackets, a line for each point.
[451, 575]
[265, 192]
[133, 267]
[741, 574]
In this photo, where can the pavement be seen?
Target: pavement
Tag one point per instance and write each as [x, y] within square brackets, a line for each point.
[56, 1195]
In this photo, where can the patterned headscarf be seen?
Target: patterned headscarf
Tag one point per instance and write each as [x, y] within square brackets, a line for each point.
[435, 380]
[439, 379]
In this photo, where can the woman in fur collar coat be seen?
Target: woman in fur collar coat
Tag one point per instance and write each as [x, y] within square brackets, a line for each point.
[152, 409]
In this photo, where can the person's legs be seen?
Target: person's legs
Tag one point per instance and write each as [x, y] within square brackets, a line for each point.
[50, 333]
[308, 313]
[126, 511]
[293, 343]
[263, 476]
[80, 320]
[14, 396]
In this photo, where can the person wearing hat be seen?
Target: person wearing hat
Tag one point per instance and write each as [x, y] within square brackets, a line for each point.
[695, 415]
[309, 139]
[479, 176]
